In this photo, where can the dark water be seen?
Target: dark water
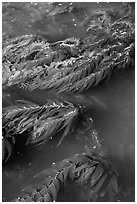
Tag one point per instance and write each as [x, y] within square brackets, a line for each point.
[111, 106]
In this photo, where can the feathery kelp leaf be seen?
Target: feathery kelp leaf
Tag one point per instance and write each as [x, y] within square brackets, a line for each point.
[41, 122]
[95, 172]
[116, 61]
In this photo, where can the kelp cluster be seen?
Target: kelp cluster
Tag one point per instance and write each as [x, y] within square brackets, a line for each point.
[73, 65]
[28, 58]
[40, 122]
[92, 172]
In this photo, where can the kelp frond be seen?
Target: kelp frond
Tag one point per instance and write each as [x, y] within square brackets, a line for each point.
[42, 122]
[30, 62]
[94, 172]
[29, 55]
[121, 61]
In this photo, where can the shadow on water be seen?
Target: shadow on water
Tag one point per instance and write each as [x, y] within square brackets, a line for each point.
[111, 106]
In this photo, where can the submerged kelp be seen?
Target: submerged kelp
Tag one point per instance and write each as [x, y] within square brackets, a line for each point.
[29, 57]
[92, 171]
[73, 65]
[40, 122]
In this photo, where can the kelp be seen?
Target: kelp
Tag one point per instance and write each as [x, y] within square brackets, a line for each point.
[72, 65]
[101, 22]
[30, 55]
[95, 173]
[61, 9]
[41, 123]
[120, 62]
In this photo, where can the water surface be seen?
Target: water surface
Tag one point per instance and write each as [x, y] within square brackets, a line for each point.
[111, 106]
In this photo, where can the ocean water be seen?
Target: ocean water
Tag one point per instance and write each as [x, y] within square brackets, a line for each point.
[111, 105]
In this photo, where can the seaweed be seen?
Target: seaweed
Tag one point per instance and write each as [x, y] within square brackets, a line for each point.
[93, 172]
[65, 65]
[40, 122]
[73, 65]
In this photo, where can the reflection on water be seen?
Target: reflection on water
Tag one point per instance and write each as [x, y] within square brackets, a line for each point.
[110, 105]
